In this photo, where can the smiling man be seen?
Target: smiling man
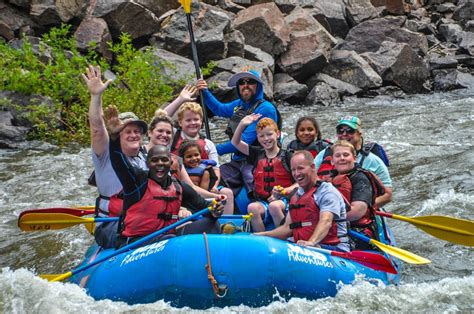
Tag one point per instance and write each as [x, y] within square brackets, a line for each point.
[248, 84]
[350, 129]
[317, 211]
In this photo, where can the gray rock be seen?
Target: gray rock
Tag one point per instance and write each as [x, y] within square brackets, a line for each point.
[12, 21]
[395, 7]
[309, 48]
[369, 35]
[446, 7]
[256, 54]
[39, 48]
[286, 6]
[288, 89]
[210, 36]
[343, 88]
[358, 11]
[334, 12]
[450, 32]
[351, 68]
[173, 65]
[449, 79]
[469, 26]
[322, 94]
[273, 34]
[94, 30]
[464, 12]
[159, 7]
[465, 60]
[399, 65]
[437, 62]
[235, 44]
[9, 133]
[466, 42]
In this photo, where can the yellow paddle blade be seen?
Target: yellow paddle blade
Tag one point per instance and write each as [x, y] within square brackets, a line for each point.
[90, 227]
[49, 221]
[401, 254]
[186, 5]
[455, 230]
[88, 207]
[56, 277]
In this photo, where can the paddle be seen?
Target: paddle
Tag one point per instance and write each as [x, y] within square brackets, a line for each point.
[76, 211]
[368, 259]
[399, 253]
[187, 9]
[455, 230]
[55, 221]
[126, 248]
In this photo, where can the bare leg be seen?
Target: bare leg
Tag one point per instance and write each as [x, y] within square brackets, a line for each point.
[277, 210]
[258, 210]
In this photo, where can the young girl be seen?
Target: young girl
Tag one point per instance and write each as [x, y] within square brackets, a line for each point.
[308, 137]
[199, 170]
[271, 172]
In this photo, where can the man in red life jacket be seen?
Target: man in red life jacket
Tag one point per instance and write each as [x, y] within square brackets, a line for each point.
[317, 211]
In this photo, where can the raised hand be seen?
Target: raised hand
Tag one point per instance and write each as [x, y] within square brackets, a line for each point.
[250, 119]
[112, 121]
[93, 79]
[188, 93]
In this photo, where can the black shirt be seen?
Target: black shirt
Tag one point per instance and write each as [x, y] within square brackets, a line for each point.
[361, 188]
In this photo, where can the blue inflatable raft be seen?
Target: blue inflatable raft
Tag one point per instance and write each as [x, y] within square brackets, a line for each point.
[250, 270]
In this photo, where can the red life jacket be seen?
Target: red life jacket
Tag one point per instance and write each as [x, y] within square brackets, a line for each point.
[344, 185]
[269, 173]
[116, 200]
[178, 140]
[157, 209]
[304, 213]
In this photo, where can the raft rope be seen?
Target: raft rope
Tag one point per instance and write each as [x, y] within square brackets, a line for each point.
[219, 291]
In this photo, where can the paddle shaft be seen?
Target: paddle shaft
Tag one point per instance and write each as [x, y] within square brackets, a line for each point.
[79, 220]
[198, 72]
[131, 246]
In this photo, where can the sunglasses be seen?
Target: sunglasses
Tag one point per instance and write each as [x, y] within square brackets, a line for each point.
[246, 81]
[345, 130]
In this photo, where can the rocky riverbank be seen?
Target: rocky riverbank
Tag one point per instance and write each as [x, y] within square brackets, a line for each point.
[311, 52]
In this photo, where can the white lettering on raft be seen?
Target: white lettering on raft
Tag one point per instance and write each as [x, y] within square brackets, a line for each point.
[142, 252]
[300, 254]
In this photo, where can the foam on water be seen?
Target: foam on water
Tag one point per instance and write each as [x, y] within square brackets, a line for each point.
[22, 291]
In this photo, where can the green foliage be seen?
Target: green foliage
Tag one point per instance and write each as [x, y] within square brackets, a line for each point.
[53, 69]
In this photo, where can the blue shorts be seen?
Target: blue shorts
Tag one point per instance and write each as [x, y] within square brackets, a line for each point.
[267, 218]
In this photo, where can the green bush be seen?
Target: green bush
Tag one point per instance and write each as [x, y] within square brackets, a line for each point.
[140, 87]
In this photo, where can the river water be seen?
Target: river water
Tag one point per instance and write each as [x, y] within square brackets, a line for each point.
[430, 142]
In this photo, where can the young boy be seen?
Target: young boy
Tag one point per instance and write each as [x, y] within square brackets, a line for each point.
[271, 171]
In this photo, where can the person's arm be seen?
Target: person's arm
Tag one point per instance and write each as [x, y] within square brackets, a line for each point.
[237, 137]
[358, 210]
[282, 232]
[385, 198]
[99, 135]
[218, 108]
[377, 166]
[321, 230]
[361, 196]
[205, 180]
[187, 94]
[194, 202]
[184, 177]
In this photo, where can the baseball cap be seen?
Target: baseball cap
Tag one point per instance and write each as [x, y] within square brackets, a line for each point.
[352, 121]
[130, 117]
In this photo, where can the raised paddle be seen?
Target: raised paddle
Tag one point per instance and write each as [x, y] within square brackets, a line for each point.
[399, 253]
[455, 230]
[76, 211]
[55, 221]
[187, 9]
[126, 247]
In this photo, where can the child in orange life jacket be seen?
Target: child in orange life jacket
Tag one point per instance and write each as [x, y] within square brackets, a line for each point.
[271, 170]
[308, 137]
[199, 170]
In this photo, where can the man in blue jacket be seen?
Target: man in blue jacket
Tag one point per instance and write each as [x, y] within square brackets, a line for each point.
[250, 99]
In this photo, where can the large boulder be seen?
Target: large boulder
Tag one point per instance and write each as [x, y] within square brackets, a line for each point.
[13, 22]
[210, 25]
[159, 7]
[288, 89]
[343, 88]
[125, 17]
[309, 48]
[398, 64]
[256, 54]
[334, 12]
[94, 30]
[464, 12]
[286, 6]
[173, 65]
[466, 42]
[450, 31]
[323, 95]
[369, 35]
[358, 11]
[264, 27]
[54, 12]
[350, 67]
[449, 79]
